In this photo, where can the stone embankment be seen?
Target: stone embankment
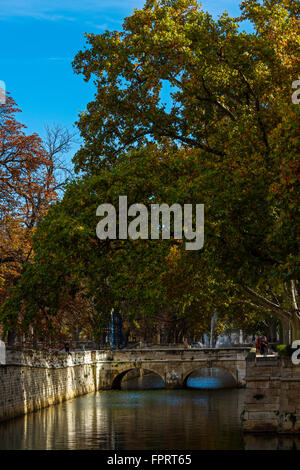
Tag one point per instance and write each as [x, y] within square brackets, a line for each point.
[272, 401]
[33, 379]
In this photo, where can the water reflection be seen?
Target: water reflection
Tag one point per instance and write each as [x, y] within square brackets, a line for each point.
[126, 420]
[272, 442]
[210, 378]
[162, 419]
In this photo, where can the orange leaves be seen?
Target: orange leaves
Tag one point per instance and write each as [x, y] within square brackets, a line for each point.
[26, 188]
[21, 159]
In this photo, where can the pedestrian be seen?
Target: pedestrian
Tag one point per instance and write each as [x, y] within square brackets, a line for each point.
[263, 345]
[257, 344]
[67, 348]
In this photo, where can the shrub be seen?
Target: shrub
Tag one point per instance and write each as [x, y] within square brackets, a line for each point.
[284, 350]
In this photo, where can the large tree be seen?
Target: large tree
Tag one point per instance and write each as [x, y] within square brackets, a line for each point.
[152, 281]
[228, 102]
[226, 137]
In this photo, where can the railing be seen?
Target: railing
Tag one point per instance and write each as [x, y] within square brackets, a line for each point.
[87, 345]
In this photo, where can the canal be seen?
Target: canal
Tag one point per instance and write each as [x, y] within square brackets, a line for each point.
[153, 419]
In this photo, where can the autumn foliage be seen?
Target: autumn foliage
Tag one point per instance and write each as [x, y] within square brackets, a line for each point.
[26, 190]
[227, 137]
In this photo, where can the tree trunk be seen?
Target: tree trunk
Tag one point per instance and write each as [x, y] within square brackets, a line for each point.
[75, 334]
[272, 330]
[280, 333]
[35, 340]
[285, 331]
[126, 336]
[295, 327]
[11, 337]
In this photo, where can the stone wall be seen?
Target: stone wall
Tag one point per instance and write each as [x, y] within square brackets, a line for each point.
[272, 399]
[33, 380]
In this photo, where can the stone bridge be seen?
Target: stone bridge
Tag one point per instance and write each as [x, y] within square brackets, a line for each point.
[174, 366]
[30, 380]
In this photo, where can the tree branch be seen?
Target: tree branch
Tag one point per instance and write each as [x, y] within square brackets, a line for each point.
[262, 301]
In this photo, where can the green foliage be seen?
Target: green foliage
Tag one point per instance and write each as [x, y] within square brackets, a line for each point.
[284, 350]
[228, 138]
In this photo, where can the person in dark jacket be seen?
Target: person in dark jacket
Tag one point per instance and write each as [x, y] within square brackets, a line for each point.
[263, 345]
[67, 348]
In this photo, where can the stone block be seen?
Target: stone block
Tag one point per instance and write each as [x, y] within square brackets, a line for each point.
[258, 383]
[262, 407]
[267, 425]
[262, 396]
[262, 415]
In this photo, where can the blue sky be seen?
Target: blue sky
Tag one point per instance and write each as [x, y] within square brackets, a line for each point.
[39, 39]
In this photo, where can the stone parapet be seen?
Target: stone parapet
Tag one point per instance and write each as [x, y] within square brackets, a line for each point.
[272, 399]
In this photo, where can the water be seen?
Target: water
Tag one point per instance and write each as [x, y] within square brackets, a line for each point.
[144, 419]
[141, 419]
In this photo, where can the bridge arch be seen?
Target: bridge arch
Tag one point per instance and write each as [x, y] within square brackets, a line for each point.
[117, 380]
[231, 373]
